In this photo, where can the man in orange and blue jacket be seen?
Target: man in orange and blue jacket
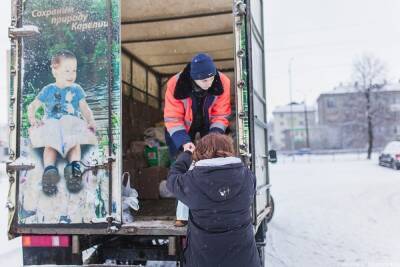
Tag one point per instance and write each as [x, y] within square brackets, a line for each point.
[196, 100]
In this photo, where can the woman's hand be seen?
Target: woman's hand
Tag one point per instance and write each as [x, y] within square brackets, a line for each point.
[189, 147]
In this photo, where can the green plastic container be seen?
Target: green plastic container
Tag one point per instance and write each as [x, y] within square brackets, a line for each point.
[157, 156]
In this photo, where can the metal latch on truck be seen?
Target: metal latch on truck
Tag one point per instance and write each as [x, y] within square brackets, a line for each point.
[24, 164]
[25, 31]
[96, 167]
[20, 164]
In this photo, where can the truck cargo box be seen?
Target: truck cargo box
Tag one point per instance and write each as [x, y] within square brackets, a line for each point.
[125, 52]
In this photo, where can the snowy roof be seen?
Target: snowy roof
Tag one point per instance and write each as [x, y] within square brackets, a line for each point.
[295, 108]
[392, 87]
[350, 88]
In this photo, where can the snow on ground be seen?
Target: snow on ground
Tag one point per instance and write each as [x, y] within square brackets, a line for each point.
[330, 210]
[10, 251]
[334, 211]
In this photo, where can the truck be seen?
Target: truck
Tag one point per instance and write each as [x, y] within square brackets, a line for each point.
[126, 50]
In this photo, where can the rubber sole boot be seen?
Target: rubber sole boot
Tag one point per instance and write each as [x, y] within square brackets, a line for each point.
[73, 177]
[49, 180]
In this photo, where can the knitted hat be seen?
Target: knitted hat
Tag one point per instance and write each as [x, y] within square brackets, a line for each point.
[202, 67]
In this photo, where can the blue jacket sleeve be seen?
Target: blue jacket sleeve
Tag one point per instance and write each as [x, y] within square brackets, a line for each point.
[179, 178]
[180, 138]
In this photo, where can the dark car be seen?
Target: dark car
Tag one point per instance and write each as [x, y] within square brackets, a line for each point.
[3, 153]
[303, 151]
[390, 156]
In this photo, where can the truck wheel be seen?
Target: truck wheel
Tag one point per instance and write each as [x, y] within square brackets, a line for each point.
[261, 253]
[261, 241]
[268, 218]
[181, 249]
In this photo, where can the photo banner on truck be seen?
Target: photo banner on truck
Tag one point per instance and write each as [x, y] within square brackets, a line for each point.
[65, 112]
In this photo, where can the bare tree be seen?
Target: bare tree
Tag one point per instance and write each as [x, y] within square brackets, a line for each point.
[369, 75]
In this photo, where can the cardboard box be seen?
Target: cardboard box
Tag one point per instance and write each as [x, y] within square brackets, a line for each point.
[148, 180]
[135, 160]
[137, 147]
[136, 163]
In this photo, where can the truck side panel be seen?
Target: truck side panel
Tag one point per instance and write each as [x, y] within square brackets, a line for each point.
[258, 106]
[251, 98]
[12, 115]
[89, 31]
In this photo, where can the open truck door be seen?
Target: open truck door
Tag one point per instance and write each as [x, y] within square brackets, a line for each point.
[89, 30]
[251, 108]
[251, 99]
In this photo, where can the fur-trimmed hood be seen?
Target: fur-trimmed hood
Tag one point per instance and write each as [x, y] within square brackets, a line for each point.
[218, 161]
[184, 85]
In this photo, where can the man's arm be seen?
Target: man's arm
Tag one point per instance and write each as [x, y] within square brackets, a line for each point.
[174, 114]
[221, 110]
[179, 178]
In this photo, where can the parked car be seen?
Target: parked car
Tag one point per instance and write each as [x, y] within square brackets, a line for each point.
[3, 152]
[390, 156]
[303, 151]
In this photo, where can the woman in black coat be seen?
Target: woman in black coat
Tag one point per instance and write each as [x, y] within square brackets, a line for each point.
[219, 191]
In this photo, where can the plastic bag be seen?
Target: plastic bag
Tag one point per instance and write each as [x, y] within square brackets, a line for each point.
[164, 192]
[129, 200]
[127, 190]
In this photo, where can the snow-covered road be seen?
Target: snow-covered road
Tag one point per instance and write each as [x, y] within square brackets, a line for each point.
[10, 251]
[334, 211]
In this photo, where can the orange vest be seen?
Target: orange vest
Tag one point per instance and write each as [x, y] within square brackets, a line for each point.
[178, 114]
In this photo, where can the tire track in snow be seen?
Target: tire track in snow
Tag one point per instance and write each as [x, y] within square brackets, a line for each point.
[394, 201]
[274, 252]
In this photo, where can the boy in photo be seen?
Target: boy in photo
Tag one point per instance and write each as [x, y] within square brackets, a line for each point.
[62, 130]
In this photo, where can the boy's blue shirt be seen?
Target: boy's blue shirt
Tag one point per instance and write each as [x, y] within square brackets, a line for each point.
[59, 102]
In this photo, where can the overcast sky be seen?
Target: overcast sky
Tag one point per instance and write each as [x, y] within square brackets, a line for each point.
[5, 14]
[322, 37]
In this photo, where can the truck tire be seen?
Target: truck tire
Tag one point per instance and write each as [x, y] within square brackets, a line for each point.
[46, 255]
[181, 249]
[261, 241]
[269, 216]
[394, 165]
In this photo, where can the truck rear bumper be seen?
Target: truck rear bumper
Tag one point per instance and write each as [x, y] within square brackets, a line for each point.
[139, 227]
[156, 227]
